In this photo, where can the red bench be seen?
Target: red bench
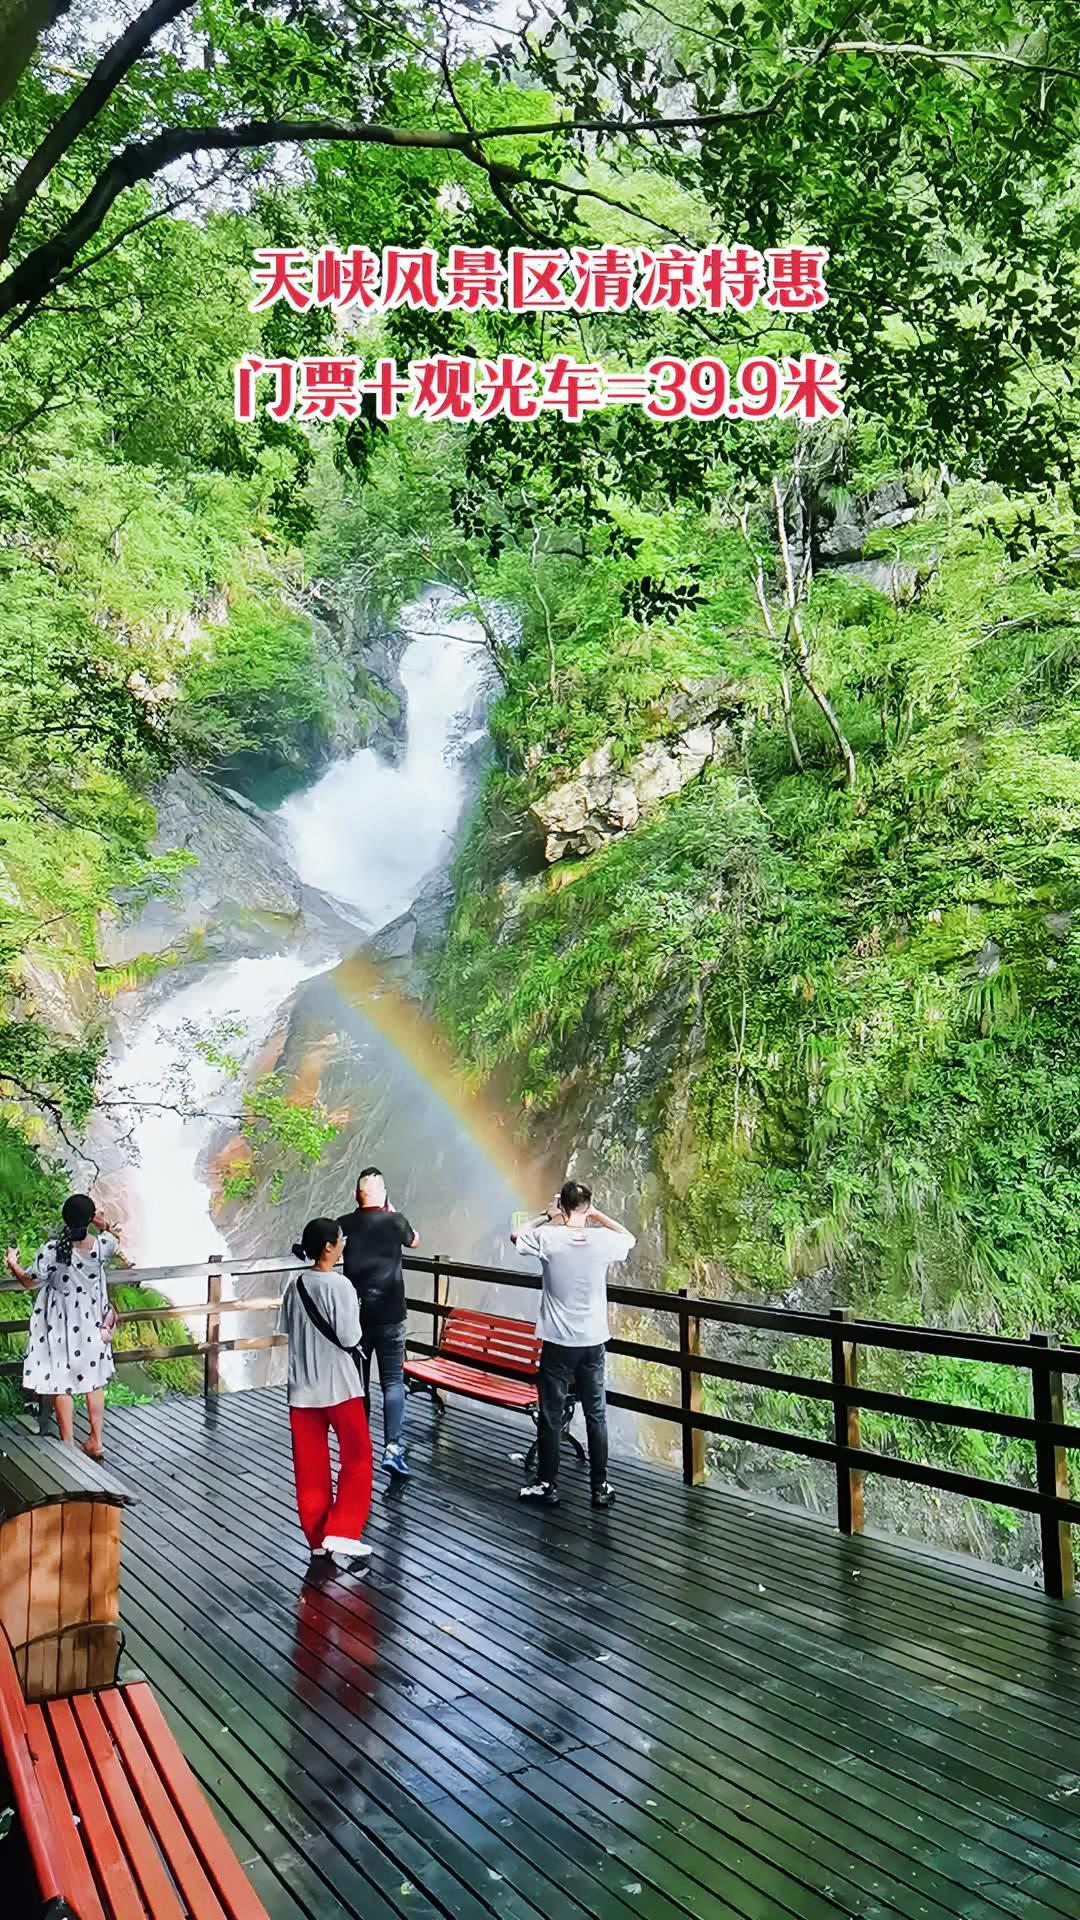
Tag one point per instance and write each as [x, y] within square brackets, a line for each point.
[115, 1823]
[469, 1337]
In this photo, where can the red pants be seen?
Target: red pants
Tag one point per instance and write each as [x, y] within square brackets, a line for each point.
[325, 1514]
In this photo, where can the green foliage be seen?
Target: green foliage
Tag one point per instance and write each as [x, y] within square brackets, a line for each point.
[879, 997]
[31, 1192]
[276, 1129]
[253, 686]
[608, 636]
[579, 967]
[183, 1375]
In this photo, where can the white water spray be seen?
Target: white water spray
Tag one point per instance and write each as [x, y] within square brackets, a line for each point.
[369, 834]
[165, 1198]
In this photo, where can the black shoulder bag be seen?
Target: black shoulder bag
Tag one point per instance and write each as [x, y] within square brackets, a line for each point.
[322, 1325]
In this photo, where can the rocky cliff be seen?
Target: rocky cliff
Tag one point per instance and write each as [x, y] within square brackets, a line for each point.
[238, 873]
[695, 727]
[361, 658]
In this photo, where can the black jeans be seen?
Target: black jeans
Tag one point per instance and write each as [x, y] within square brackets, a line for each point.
[387, 1344]
[577, 1370]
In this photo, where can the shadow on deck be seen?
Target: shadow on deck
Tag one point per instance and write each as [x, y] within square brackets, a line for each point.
[694, 1705]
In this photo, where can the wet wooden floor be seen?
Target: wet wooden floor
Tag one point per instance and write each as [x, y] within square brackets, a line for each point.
[694, 1705]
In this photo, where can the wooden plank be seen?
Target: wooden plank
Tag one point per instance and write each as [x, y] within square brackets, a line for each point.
[105, 1563]
[850, 1503]
[212, 1364]
[665, 1697]
[221, 1866]
[79, 1889]
[76, 1536]
[46, 1538]
[71, 1667]
[157, 1808]
[15, 1567]
[59, 1471]
[157, 1890]
[97, 1830]
[1052, 1476]
[43, 1613]
[693, 1440]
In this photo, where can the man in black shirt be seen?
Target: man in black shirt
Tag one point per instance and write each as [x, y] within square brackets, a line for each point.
[374, 1238]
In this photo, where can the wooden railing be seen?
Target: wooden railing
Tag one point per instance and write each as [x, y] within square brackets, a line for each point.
[1043, 1363]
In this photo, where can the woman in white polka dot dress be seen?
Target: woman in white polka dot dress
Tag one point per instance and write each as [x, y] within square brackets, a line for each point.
[69, 1350]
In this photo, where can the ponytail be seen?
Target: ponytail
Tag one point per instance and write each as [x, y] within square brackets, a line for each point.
[77, 1213]
[316, 1237]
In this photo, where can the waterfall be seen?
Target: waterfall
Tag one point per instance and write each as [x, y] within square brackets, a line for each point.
[164, 1196]
[367, 833]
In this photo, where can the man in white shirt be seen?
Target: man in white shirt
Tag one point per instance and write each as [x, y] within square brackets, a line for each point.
[575, 1244]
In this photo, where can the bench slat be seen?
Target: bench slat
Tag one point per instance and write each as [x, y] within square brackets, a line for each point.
[79, 1889]
[157, 1888]
[98, 1833]
[510, 1343]
[230, 1882]
[43, 1616]
[489, 1337]
[477, 1386]
[159, 1812]
[15, 1564]
[45, 1827]
[491, 1322]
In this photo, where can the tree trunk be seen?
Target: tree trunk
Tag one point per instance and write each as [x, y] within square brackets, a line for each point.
[22, 22]
[795, 640]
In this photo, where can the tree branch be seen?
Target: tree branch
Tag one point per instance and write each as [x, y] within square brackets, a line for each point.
[111, 69]
[743, 518]
[46, 1104]
[36, 274]
[950, 56]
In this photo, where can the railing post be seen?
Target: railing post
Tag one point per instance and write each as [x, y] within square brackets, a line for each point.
[693, 1440]
[1052, 1476]
[846, 1430]
[212, 1366]
[436, 1297]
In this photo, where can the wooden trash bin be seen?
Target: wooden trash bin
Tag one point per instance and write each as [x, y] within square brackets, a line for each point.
[60, 1518]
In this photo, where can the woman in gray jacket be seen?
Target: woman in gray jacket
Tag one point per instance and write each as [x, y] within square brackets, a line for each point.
[321, 1318]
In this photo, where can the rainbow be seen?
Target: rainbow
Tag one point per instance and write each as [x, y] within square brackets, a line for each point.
[526, 1170]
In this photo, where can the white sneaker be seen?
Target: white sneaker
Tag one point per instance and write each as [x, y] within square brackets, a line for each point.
[542, 1493]
[337, 1547]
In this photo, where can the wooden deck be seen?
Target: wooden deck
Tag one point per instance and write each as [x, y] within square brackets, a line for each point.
[694, 1705]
